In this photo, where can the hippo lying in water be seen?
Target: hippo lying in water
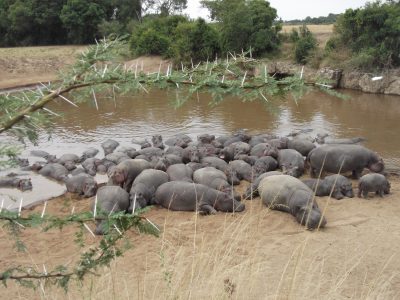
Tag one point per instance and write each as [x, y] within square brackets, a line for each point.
[289, 194]
[15, 182]
[185, 196]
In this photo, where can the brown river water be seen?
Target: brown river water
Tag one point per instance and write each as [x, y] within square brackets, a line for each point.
[374, 117]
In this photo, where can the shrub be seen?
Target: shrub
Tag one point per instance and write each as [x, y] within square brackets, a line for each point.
[305, 43]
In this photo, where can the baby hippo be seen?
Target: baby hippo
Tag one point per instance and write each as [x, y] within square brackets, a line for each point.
[144, 188]
[338, 185]
[82, 184]
[289, 194]
[109, 199]
[373, 182]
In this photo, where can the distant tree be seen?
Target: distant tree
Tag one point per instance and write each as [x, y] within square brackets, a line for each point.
[244, 24]
[163, 7]
[81, 19]
[304, 43]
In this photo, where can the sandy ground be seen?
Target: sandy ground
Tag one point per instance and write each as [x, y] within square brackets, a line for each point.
[257, 254]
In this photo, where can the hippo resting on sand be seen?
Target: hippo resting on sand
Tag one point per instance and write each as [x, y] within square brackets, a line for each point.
[185, 196]
[376, 183]
[82, 184]
[289, 194]
[344, 158]
[338, 185]
[126, 171]
[110, 199]
[15, 182]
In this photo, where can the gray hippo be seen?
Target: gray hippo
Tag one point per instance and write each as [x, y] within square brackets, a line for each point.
[55, 171]
[129, 151]
[172, 159]
[215, 179]
[303, 146]
[185, 196]
[242, 170]
[180, 172]
[232, 151]
[251, 160]
[43, 154]
[212, 161]
[151, 152]
[181, 140]
[82, 184]
[15, 182]
[261, 138]
[337, 185]
[109, 146]
[144, 188]
[78, 171]
[344, 158]
[89, 153]
[194, 166]
[143, 143]
[157, 141]
[291, 162]
[191, 154]
[264, 149]
[174, 150]
[90, 165]
[125, 172]
[252, 190]
[264, 164]
[324, 139]
[109, 199]
[117, 157]
[205, 138]
[287, 193]
[373, 182]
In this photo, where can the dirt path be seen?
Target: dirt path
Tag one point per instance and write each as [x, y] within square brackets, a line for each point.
[258, 254]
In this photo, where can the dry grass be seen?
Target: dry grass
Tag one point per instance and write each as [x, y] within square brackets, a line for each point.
[257, 254]
[321, 32]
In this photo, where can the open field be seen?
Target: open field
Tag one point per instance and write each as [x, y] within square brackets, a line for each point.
[322, 32]
[257, 254]
[29, 65]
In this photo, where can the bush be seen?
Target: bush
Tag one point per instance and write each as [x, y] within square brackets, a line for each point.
[151, 42]
[372, 33]
[305, 43]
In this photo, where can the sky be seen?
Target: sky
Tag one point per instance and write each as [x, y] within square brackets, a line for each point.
[291, 9]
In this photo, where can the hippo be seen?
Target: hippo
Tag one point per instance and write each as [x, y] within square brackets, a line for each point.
[242, 170]
[185, 196]
[336, 185]
[303, 146]
[194, 166]
[159, 163]
[109, 199]
[291, 162]
[172, 159]
[15, 182]
[264, 149]
[90, 165]
[215, 179]
[125, 172]
[78, 171]
[109, 146]
[252, 190]
[151, 152]
[324, 139]
[373, 182]
[22, 162]
[261, 138]
[238, 136]
[55, 171]
[212, 161]
[287, 193]
[180, 172]
[233, 150]
[89, 153]
[144, 188]
[181, 140]
[82, 184]
[344, 158]
[117, 157]
[176, 150]
[143, 143]
[251, 160]
[264, 164]
[191, 154]
[205, 138]
[157, 141]
[47, 156]
[129, 151]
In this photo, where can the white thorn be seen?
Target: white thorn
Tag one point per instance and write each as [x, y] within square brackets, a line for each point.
[151, 223]
[70, 102]
[44, 209]
[134, 205]
[88, 229]
[116, 228]
[51, 112]
[20, 207]
[72, 210]
[2, 205]
[244, 78]
[95, 100]
[95, 207]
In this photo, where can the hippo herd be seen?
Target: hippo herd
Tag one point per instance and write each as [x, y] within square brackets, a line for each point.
[186, 175]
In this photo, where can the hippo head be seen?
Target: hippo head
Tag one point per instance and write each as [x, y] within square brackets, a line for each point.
[25, 184]
[194, 155]
[138, 197]
[292, 171]
[160, 163]
[181, 143]
[37, 165]
[311, 218]
[347, 190]
[232, 176]
[70, 165]
[22, 162]
[118, 175]
[206, 138]
[230, 191]
[271, 151]
[157, 141]
[89, 188]
[51, 158]
[226, 203]
[387, 187]
[376, 164]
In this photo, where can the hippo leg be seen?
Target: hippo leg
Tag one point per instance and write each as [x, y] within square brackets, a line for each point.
[380, 192]
[359, 193]
[356, 174]
[365, 194]
[207, 209]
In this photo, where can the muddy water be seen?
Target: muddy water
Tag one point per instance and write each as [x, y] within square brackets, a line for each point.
[374, 117]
